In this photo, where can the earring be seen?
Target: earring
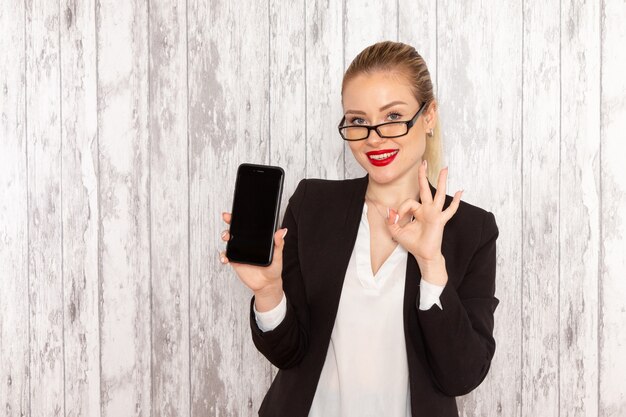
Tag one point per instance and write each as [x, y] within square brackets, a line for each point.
[431, 133]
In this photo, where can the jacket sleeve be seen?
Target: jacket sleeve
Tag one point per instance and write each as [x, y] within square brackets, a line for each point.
[459, 339]
[286, 345]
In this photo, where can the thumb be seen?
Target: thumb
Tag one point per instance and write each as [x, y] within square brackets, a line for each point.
[394, 230]
[392, 223]
[279, 244]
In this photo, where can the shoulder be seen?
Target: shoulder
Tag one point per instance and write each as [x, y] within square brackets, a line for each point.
[317, 189]
[315, 198]
[471, 222]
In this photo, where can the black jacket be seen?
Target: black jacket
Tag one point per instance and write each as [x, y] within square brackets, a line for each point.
[449, 351]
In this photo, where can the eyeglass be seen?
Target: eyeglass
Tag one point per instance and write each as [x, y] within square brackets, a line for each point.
[384, 130]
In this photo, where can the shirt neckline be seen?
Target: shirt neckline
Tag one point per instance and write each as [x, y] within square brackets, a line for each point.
[363, 257]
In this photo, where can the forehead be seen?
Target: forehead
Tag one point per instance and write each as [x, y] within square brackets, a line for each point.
[372, 91]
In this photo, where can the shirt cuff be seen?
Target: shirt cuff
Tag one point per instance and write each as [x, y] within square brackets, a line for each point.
[429, 295]
[269, 320]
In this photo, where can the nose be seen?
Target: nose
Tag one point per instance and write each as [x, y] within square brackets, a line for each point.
[374, 138]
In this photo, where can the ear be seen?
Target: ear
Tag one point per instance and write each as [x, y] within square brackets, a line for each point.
[430, 115]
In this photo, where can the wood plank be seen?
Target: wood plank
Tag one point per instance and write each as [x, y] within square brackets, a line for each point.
[169, 208]
[14, 307]
[288, 119]
[540, 211]
[324, 73]
[80, 208]
[579, 208]
[365, 23]
[480, 80]
[612, 338]
[45, 234]
[124, 241]
[228, 125]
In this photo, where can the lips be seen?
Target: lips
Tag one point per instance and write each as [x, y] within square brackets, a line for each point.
[382, 157]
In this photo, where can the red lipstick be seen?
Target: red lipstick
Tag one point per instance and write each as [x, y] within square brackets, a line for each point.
[382, 157]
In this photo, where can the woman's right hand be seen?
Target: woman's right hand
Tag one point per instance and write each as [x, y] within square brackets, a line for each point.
[265, 281]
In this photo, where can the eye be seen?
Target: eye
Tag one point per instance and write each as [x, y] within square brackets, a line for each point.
[356, 121]
[394, 116]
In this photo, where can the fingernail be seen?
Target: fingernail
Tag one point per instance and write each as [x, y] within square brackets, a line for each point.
[396, 220]
[387, 212]
[224, 233]
[222, 259]
[424, 162]
[285, 233]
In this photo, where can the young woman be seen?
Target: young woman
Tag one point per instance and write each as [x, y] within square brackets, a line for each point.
[380, 297]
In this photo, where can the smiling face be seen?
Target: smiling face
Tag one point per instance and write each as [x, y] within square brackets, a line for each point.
[381, 97]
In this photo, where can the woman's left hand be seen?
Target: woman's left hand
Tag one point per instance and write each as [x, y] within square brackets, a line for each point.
[424, 234]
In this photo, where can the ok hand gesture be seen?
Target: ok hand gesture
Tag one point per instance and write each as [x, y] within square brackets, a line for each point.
[424, 234]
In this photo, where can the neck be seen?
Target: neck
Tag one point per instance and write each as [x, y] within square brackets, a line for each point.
[392, 194]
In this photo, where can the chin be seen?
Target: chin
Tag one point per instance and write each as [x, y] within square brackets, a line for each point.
[382, 176]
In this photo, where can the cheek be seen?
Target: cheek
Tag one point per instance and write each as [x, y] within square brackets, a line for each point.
[416, 147]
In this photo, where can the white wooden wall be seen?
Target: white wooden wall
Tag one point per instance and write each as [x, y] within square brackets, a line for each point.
[122, 124]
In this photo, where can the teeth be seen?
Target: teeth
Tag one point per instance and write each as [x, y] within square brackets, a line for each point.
[383, 155]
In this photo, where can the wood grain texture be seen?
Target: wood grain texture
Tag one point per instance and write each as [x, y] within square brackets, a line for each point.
[169, 225]
[365, 22]
[121, 128]
[288, 120]
[540, 210]
[123, 188]
[14, 289]
[479, 57]
[45, 234]
[324, 73]
[612, 311]
[579, 210]
[80, 208]
[228, 125]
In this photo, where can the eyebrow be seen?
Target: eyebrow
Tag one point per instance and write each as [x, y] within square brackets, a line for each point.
[386, 106]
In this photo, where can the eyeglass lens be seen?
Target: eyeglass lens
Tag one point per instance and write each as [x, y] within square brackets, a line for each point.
[387, 130]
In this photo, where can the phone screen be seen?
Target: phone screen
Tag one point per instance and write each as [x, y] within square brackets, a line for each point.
[256, 204]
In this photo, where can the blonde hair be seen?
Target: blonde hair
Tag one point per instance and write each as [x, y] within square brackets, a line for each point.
[402, 59]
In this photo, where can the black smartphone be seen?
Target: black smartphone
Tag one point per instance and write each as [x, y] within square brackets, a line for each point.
[256, 205]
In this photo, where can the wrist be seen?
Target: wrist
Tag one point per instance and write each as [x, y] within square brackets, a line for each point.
[434, 270]
[268, 297]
